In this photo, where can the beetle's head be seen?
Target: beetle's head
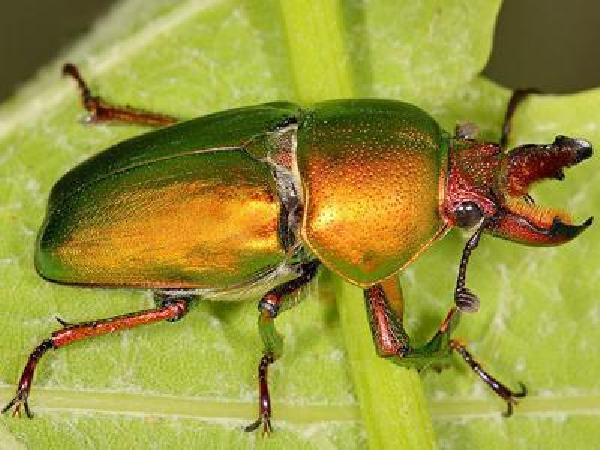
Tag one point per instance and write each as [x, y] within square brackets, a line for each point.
[485, 182]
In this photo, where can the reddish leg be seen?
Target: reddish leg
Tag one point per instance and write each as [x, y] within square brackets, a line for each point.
[499, 388]
[386, 324]
[76, 332]
[391, 341]
[102, 111]
[269, 306]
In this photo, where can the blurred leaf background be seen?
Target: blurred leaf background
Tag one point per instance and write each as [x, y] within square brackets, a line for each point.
[192, 384]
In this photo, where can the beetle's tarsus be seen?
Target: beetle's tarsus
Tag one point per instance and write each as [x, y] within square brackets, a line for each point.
[253, 426]
[63, 322]
[511, 401]
[466, 301]
[263, 420]
[500, 389]
[18, 401]
[523, 392]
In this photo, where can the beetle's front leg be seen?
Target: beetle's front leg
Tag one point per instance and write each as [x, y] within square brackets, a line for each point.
[385, 321]
[102, 111]
[391, 341]
[269, 307]
[75, 332]
[464, 299]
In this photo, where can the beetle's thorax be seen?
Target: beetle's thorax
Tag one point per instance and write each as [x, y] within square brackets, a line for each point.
[370, 171]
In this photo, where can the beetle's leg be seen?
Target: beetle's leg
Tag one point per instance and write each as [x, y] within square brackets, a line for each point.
[391, 341]
[516, 98]
[464, 299]
[102, 111]
[269, 306]
[76, 332]
[509, 396]
[441, 343]
[386, 321]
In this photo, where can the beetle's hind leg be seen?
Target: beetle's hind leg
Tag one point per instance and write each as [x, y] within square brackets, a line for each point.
[170, 310]
[103, 111]
[269, 307]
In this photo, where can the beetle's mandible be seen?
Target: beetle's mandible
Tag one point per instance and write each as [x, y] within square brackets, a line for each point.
[260, 197]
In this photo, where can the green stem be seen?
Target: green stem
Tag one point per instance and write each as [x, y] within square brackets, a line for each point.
[392, 403]
[316, 48]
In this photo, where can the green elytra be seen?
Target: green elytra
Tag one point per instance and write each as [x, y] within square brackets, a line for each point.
[81, 241]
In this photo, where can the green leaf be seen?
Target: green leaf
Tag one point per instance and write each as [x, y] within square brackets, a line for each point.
[193, 383]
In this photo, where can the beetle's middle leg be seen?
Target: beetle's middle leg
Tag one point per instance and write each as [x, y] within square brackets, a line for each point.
[102, 111]
[269, 306]
[391, 340]
[169, 310]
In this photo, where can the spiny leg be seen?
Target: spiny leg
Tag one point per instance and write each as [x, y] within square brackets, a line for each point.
[75, 332]
[516, 99]
[102, 111]
[391, 341]
[269, 307]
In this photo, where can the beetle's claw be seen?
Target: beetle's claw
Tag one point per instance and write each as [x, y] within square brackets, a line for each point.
[466, 301]
[63, 322]
[263, 420]
[253, 426]
[19, 401]
[523, 392]
[512, 399]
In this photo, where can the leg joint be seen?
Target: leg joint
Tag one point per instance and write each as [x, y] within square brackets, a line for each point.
[270, 304]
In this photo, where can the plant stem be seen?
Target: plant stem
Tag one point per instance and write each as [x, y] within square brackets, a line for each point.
[392, 403]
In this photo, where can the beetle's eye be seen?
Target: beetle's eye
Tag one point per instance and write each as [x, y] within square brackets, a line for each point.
[467, 214]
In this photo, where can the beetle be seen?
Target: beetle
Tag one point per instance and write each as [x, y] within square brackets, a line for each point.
[258, 198]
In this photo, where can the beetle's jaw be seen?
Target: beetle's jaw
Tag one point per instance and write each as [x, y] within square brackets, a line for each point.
[531, 225]
[517, 218]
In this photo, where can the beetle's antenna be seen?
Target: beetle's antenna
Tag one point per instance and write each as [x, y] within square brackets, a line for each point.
[516, 98]
[464, 299]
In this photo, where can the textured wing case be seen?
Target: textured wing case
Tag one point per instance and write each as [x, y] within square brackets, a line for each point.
[184, 206]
